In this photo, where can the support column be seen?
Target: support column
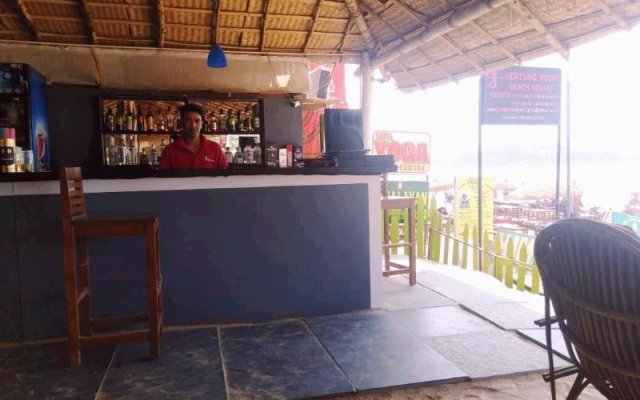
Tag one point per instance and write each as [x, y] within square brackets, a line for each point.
[366, 92]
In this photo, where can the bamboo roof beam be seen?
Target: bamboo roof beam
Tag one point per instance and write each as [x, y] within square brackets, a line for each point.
[472, 10]
[347, 28]
[89, 21]
[361, 23]
[162, 29]
[273, 15]
[463, 53]
[612, 14]
[541, 28]
[215, 20]
[496, 42]
[316, 13]
[28, 19]
[380, 18]
[265, 19]
[413, 14]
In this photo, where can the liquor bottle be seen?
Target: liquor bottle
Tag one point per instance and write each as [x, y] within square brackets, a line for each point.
[213, 125]
[120, 117]
[110, 121]
[257, 154]
[247, 119]
[153, 155]
[248, 154]
[228, 155]
[161, 124]
[149, 123]
[140, 118]
[237, 157]
[135, 117]
[256, 118]
[240, 120]
[222, 121]
[143, 158]
[112, 151]
[123, 152]
[231, 121]
[205, 123]
[133, 153]
[129, 118]
[171, 120]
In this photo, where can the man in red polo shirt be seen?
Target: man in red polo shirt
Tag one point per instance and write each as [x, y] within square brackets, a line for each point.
[192, 150]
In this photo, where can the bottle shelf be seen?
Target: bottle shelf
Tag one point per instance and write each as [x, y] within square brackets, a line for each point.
[119, 113]
[170, 133]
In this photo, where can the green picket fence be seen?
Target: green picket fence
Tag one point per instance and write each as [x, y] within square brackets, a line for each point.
[507, 256]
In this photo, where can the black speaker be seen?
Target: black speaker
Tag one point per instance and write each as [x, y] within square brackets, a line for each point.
[343, 130]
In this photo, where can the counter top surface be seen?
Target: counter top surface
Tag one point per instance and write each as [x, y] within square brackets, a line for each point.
[136, 172]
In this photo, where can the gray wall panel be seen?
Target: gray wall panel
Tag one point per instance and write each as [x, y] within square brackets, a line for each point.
[10, 310]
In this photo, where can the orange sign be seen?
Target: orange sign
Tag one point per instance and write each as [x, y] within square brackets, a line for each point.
[411, 150]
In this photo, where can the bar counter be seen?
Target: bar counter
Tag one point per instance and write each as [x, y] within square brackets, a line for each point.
[239, 245]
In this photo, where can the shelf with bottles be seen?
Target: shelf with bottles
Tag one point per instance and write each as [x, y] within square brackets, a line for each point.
[134, 131]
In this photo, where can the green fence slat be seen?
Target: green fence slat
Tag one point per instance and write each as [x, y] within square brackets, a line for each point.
[476, 263]
[535, 280]
[447, 231]
[432, 224]
[420, 226]
[522, 266]
[456, 251]
[465, 246]
[497, 249]
[485, 254]
[438, 237]
[508, 265]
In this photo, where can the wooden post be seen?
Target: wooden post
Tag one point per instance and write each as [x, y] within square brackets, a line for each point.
[367, 87]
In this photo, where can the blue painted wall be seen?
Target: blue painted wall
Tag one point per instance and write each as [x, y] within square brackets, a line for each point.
[227, 255]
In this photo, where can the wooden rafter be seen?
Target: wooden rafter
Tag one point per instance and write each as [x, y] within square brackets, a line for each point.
[418, 17]
[265, 18]
[316, 13]
[89, 21]
[404, 68]
[495, 42]
[462, 53]
[28, 19]
[379, 17]
[272, 15]
[541, 28]
[354, 11]
[161, 23]
[216, 21]
[612, 14]
[347, 29]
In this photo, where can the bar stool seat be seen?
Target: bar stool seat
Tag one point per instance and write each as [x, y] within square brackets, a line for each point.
[77, 227]
[391, 267]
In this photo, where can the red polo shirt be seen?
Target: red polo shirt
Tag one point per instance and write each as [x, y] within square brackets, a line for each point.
[177, 156]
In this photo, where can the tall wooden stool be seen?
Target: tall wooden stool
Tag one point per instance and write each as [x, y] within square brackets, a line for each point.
[77, 228]
[409, 229]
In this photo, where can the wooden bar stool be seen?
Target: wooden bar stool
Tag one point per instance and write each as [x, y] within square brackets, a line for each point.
[77, 228]
[409, 203]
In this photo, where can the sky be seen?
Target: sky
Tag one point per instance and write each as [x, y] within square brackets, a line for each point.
[604, 79]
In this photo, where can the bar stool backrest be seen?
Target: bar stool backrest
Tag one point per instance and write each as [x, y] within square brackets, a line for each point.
[72, 193]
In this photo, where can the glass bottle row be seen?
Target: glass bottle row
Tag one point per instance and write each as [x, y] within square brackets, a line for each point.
[129, 117]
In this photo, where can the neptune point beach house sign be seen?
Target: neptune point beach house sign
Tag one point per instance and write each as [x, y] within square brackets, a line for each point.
[521, 96]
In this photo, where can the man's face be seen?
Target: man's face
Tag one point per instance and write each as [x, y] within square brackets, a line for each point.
[191, 124]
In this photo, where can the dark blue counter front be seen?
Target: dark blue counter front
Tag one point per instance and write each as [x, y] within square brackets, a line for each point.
[227, 255]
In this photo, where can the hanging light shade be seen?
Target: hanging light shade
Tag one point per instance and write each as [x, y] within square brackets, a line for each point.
[216, 58]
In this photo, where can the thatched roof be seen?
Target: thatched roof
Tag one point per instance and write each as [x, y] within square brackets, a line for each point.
[420, 43]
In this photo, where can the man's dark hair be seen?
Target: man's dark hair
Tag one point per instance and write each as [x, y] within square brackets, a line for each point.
[191, 107]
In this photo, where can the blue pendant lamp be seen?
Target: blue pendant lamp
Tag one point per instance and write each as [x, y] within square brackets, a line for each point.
[216, 58]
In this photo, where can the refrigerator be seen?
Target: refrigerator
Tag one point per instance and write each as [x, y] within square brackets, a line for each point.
[23, 107]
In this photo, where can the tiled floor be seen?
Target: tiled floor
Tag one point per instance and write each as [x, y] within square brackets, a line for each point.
[442, 330]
